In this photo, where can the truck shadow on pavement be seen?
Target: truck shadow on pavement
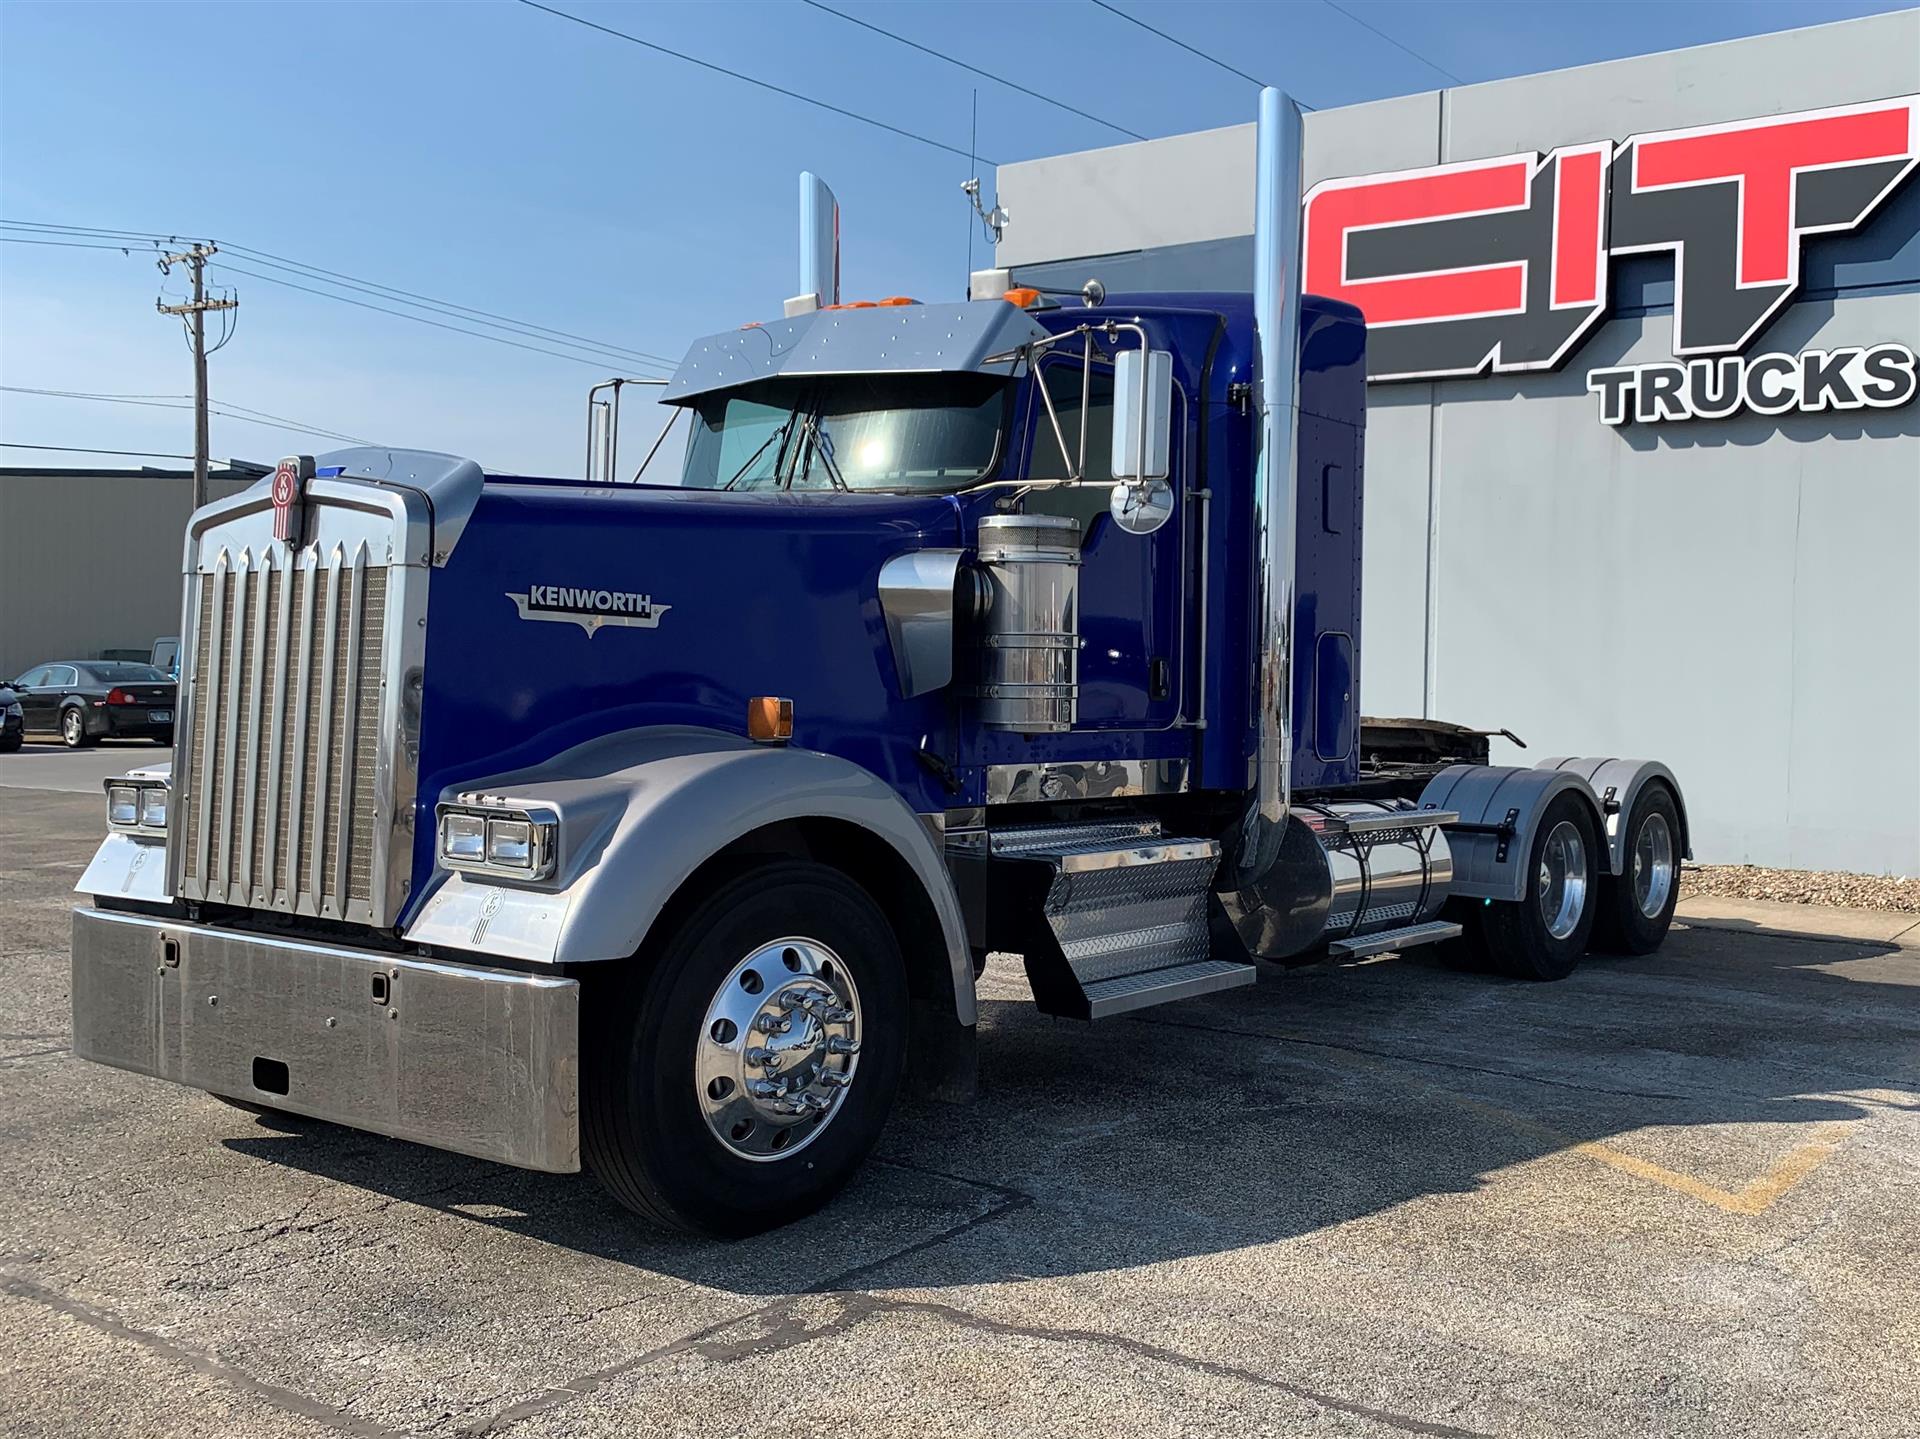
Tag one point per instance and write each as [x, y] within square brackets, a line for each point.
[1317, 1097]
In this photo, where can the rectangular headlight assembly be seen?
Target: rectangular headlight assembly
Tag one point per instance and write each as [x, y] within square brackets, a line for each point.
[138, 806]
[507, 843]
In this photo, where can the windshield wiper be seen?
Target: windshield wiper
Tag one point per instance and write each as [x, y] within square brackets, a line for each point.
[779, 434]
[823, 446]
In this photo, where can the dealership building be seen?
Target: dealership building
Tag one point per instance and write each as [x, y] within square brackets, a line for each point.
[1643, 444]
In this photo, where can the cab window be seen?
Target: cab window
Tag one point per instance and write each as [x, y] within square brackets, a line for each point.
[1087, 502]
[928, 433]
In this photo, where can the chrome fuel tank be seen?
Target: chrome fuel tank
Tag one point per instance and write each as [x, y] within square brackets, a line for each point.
[1391, 866]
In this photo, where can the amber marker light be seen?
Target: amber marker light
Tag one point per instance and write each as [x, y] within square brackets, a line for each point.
[769, 719]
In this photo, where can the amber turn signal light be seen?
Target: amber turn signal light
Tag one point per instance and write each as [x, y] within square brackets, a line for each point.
[1022, 297]
[769, 719]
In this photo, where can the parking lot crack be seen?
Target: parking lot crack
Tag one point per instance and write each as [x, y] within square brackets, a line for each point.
[786, 1327]
[287, 1400]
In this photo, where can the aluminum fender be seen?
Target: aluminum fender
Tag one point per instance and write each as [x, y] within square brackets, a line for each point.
[1616, 784]
[129, 867]
[639, 812]
[1484, 796]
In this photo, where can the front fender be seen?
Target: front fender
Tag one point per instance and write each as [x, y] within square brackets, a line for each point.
[639, 812]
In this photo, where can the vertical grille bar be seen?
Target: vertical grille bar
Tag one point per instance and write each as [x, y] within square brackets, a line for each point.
[350, 729]
[309, 580]
[230, 719]
[276, 768]
[324, 753]
[256, 665]
[207, 682]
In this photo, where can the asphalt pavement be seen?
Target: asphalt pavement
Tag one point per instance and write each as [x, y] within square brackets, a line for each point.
[77, 771]
[1672, 1195]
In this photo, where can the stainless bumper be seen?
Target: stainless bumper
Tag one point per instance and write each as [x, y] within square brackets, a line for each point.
[484, 1062]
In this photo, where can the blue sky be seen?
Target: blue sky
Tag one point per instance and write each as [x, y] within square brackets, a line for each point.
[499, 158]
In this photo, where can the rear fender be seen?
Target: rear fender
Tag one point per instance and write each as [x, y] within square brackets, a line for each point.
[639, 813]
[1616, 783]
[1499, 808]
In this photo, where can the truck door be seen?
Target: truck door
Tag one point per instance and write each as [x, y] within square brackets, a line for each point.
[1132, 587]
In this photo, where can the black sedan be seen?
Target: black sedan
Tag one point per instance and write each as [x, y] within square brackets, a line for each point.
[80, 701]
[13, 723]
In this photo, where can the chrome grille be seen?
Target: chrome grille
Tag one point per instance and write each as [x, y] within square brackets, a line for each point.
[276, 797]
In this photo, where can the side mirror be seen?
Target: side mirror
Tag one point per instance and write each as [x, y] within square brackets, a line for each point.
[1142, 500]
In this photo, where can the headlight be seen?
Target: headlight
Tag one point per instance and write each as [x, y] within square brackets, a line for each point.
[138, 806]
[508, 842]
[14, 711]
[463, 837]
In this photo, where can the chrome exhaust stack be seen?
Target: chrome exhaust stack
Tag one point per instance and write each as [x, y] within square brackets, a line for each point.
[1263, 884]
[819, 247]
[1276, 484]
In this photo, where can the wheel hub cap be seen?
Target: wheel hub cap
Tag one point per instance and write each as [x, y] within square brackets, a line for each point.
[1653, 865]
[778, 1049]
[1561, 885]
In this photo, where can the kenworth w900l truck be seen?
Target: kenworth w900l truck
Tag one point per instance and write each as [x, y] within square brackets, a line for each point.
[662, 829]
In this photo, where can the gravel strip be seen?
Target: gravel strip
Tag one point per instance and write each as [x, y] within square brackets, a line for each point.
[1802, 886]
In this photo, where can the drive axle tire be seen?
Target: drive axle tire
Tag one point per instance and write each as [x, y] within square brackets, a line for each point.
[1636, 905]
[73, 729]
[1544, 935]
[739, 1069]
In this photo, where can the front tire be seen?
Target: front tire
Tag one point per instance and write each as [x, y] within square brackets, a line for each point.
[73, 729]
[1636, 906]
[1544, 935]
[741, 1067]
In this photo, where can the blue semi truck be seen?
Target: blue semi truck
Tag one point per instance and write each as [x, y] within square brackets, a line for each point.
[663, 828]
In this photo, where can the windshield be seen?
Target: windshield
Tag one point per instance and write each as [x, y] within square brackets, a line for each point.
[127, 674]
[849, 432]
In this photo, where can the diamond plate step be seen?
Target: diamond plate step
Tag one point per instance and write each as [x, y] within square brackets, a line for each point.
[1411, 937]
[1162, 986]
[1123, 917]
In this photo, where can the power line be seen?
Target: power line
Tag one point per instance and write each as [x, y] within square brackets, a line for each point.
[971, 69]
[1135, 20]
[603, 353]
[598, 364]
[126, 249]
[445, 307]
[153, 235]
[1404, 49]
[185, 403]
[749, 79]
[84, 450]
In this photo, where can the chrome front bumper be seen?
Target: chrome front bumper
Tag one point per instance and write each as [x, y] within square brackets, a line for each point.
[480, 1061]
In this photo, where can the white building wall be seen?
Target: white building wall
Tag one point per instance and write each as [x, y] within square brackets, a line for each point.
[1738, 597]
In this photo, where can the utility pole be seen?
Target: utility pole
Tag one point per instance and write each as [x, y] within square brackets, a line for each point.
[194, 315]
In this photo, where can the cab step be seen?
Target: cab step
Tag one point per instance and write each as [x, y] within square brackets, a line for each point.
[1109, 917]
[1395, 940]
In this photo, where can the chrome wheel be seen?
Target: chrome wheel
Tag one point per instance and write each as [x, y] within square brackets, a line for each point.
[1653, 865]
[1561, 885]
[778, 1049]
[73, 729]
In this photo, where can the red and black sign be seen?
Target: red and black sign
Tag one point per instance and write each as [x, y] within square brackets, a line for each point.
[1501, 264]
